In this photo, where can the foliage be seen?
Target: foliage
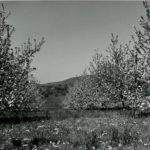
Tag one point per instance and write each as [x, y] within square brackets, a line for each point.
[106, 84]
[141, 57]
[16, 84]
[111, 72]
[83, 95]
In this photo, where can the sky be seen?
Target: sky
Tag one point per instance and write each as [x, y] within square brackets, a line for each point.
[72, 31]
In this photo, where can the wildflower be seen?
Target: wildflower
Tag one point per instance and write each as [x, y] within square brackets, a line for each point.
[109, 147]
[34, 147]
[58, 142]
[40, 126]
[54, 145]
[56, 130]
[27, 130]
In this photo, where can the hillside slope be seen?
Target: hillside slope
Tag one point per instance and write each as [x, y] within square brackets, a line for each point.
[55, 92]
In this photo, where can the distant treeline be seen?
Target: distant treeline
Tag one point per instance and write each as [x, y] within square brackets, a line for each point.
[56, 90]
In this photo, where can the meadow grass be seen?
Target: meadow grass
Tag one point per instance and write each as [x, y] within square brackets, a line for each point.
[85, 130]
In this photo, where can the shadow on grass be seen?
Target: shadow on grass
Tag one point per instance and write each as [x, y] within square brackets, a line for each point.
[26, 116]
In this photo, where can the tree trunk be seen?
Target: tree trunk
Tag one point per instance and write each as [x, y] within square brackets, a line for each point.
[123, 104]
[122, 98]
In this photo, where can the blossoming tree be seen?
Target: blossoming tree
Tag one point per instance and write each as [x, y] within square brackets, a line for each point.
[16, 85]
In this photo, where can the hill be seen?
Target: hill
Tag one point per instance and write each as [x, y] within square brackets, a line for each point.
[55, 92]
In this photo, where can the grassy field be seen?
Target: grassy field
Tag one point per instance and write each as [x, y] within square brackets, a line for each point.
[88, 130]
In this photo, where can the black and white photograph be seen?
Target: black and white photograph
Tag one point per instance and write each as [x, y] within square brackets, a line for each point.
[74, 75]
